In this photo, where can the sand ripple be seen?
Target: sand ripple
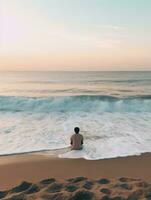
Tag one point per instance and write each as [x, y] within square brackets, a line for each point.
[81, 188]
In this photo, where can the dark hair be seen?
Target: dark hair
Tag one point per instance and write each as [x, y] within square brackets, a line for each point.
[76, 129]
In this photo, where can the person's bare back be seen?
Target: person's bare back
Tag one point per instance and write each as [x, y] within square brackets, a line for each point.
[76, 140]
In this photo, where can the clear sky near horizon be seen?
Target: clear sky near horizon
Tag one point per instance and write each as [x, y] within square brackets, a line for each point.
[75, 34]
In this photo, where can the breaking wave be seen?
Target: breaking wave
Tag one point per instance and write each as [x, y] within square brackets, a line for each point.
[76, 103]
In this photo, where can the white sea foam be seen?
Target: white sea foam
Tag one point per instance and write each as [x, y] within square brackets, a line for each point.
[106, 134]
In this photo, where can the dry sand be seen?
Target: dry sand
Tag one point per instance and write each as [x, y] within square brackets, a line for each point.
[33, 168]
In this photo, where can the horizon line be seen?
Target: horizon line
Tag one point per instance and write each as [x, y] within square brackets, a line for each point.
[148, 70]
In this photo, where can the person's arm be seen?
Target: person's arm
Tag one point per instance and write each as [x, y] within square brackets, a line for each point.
[82, 141]
[71, 142]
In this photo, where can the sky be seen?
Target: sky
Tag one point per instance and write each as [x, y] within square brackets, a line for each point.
[75, 35]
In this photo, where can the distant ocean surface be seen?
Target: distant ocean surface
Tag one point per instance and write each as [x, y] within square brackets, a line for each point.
[38, 111]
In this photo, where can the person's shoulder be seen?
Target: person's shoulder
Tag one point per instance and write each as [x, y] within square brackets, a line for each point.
[72, 135]
[81, 135]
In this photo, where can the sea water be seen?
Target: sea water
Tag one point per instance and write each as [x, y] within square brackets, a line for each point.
[39, 110]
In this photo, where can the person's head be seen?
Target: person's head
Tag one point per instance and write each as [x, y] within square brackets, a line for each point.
[76, 130]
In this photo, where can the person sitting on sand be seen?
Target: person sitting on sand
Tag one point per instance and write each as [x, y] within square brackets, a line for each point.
[76, 140]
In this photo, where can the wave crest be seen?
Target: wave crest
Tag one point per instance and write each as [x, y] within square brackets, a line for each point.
[76, 104]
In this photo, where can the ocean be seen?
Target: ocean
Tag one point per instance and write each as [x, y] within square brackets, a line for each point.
[39, 110]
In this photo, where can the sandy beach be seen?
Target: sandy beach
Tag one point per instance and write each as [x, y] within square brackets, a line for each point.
[36, 167]
[75, 100]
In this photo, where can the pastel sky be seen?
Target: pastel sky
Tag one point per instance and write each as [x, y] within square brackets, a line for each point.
[75, 34]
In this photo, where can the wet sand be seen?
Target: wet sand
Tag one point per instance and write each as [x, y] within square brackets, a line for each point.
[35, 167]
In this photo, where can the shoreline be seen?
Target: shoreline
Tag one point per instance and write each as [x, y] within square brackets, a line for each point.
[59, 153]
[34, 167]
